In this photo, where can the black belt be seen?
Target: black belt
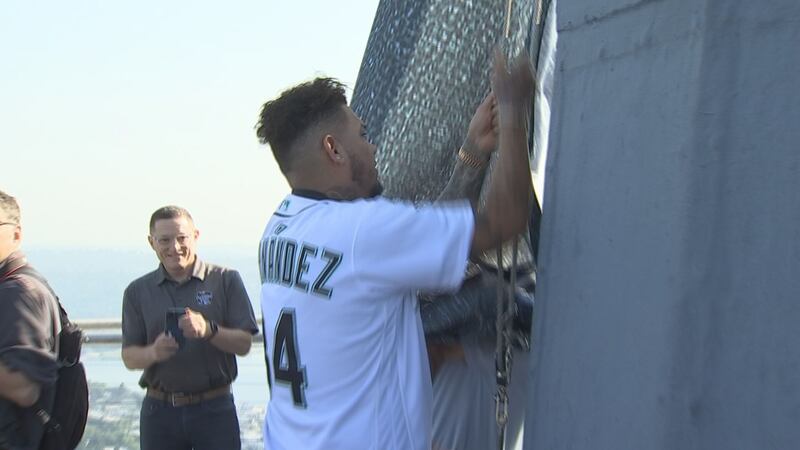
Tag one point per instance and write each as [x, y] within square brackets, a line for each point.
[183, 399]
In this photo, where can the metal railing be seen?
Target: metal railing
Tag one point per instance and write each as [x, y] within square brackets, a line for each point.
[109, 331]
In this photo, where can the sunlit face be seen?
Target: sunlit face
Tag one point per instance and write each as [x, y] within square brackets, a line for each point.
[175, 244]
[10, 236]
[361, 153]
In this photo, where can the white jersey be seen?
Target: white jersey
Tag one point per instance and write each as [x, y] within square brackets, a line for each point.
[345, 349]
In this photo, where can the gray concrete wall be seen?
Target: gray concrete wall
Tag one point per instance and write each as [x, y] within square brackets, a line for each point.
[668, 305]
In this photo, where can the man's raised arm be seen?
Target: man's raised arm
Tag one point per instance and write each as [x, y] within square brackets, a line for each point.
[507, 208]
[473, 156]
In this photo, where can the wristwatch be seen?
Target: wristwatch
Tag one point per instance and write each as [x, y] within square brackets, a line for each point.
[214, 329]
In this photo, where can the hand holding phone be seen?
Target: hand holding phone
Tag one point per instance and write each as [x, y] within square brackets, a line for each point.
[164, 347]
[171, 325]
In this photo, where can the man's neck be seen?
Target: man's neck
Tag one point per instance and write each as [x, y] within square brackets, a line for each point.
[179, 278]
[331, 185]
[183, 274]
[331, 192]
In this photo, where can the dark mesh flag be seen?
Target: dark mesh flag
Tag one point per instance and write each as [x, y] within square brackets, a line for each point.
[425, 70]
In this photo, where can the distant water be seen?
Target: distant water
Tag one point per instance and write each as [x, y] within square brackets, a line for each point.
[90, 282]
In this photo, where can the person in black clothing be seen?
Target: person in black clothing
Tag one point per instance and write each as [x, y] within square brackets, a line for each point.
[29, 327]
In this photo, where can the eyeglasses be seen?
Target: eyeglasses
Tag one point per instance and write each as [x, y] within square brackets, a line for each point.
[8, 223]
[165, 241]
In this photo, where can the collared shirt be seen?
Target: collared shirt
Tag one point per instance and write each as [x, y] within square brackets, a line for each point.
[218, 294]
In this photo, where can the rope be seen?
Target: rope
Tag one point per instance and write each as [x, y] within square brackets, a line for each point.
[507, 29]
[502, 351]
[501, 372]
[505, 297]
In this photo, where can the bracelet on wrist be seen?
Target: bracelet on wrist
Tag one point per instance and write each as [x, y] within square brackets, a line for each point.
[471, 160]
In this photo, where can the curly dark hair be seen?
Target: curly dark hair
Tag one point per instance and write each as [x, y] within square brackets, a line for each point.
[283, 120]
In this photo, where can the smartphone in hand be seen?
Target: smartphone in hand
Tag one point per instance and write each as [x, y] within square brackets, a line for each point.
[171, 325]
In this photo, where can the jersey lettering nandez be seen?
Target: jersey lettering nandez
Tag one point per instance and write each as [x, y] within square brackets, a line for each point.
[287, 265]
[344, 345]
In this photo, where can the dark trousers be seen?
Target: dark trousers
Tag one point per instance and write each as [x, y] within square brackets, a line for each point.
[209, 425]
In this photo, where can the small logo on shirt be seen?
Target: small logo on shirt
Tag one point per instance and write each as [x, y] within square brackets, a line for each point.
[279, 229]
[204, 297]
[284, 205]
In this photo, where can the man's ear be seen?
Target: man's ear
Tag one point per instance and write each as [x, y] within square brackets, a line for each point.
[332, 149]
[18, 235]
[151, 242]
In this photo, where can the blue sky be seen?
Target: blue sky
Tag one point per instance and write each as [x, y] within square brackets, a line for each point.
[112, 109]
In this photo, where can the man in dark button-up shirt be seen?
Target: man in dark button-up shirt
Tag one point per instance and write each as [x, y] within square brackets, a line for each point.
[188, 402]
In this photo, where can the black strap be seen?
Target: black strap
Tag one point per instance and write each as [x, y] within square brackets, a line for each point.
[25, 269]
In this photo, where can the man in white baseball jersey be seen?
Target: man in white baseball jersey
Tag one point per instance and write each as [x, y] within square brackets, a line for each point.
[340, 267]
